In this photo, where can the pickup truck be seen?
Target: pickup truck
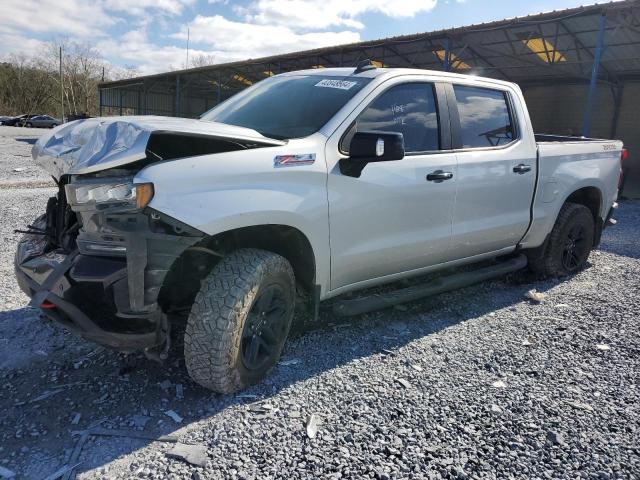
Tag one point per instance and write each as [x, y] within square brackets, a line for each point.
[309, 184]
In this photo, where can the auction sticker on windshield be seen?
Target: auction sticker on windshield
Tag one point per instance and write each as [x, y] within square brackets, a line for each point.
[341, 84]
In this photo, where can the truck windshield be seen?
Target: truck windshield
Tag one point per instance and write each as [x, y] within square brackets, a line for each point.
[289, 106]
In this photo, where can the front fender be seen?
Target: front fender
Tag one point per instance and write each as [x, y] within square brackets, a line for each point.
[222, 192]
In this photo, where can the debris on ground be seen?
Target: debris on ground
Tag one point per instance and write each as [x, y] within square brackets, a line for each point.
[174, 416]
[499, 384]
[62, 471]
[289, 361]
[403, 382]
[535, 295]
[604, 347]
[313, 423]
[193, 454]
[6, 473]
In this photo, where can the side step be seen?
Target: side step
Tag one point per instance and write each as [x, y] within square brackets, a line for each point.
[356, 306]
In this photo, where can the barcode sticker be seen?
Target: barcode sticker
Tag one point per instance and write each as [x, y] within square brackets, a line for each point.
[340, 84]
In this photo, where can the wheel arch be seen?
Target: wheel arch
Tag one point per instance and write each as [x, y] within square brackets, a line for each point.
[183, 280]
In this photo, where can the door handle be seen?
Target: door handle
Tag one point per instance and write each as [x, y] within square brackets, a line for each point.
[439, 176]
[521, 168]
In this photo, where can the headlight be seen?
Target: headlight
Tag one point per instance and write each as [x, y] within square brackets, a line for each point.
[122, 193]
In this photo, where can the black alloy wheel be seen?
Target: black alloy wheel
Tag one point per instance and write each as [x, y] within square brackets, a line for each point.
[267, 322]
[576, 249]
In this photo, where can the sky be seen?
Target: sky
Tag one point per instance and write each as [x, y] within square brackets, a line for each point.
[151, 35]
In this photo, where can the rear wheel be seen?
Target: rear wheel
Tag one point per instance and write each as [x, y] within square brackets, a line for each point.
[29, 125]
[240, 320]
[569, 244]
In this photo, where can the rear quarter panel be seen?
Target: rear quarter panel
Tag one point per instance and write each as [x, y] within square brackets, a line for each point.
[565, 167]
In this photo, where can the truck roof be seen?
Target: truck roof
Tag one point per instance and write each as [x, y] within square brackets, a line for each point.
[392, 72]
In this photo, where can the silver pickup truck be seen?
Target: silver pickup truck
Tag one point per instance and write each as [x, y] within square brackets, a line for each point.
[308, 184]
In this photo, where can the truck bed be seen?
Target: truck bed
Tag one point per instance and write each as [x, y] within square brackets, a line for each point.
[549, 138]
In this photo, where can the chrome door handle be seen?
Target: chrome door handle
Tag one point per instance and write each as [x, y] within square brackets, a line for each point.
[439, 176]
[521, 168]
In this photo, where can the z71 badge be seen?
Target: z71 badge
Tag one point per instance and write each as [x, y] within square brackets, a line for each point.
[294, 160]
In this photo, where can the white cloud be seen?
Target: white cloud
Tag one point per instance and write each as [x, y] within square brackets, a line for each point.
[69, 17]
[237, 40]
[318, 14]
[16, 44]
[135, 48]
[143, 7]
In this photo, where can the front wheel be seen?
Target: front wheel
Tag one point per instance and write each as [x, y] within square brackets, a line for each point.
[569, 244]
[29, 125]
[240, 320]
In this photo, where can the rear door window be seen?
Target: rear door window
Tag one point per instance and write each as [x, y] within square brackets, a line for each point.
[485, 118]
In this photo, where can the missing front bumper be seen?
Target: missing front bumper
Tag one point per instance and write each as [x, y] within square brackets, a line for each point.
[109, 300]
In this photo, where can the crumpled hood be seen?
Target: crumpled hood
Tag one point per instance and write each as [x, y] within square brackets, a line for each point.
[95, 144]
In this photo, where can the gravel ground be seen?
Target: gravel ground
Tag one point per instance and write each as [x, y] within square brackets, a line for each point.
[477, 383]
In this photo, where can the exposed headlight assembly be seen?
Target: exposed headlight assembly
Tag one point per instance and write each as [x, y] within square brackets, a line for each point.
[116, 192]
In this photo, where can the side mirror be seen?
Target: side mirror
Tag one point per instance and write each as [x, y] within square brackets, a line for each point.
[366, 147]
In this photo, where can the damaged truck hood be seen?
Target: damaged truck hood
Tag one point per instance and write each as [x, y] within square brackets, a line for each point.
[96, 144]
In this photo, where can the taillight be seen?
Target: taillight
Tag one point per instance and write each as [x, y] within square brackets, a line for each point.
[623, 157]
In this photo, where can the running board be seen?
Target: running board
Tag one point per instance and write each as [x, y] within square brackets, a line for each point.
[356, 306]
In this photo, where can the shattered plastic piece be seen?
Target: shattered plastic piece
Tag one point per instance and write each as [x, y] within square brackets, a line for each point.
[140, 421]
[288, 362]
[174, 416]
[535, 295]
[604, 347]
[247, 395]
[527, 343]
[581, 406]
[61, 471]
[403, 382]
[499, 384]
[45, 395]
[193, 454]
[312, 425]
[496, 409]
[417, 368]
[6, 473]
[179, 390]
[112, 432]
[76, 419]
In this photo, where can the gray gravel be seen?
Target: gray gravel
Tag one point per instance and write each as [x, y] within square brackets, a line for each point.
[477, 383]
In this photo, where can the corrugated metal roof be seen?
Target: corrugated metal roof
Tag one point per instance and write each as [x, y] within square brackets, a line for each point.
[496, 49]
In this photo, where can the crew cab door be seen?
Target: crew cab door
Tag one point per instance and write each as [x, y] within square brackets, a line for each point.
[497, 164]
[392, 219]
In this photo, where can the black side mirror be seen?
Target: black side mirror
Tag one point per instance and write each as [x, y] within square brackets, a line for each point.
[366, 147]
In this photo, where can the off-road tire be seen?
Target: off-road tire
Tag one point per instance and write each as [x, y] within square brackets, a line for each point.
[213, 336]
[550, 263]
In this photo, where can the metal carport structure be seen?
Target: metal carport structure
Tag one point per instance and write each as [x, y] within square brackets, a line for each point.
[579, 69]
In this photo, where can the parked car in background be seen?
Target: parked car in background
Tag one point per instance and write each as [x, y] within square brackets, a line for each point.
[15, 121]
[42, 121]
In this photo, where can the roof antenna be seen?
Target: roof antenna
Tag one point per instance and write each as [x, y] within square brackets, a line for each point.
[364, 65]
